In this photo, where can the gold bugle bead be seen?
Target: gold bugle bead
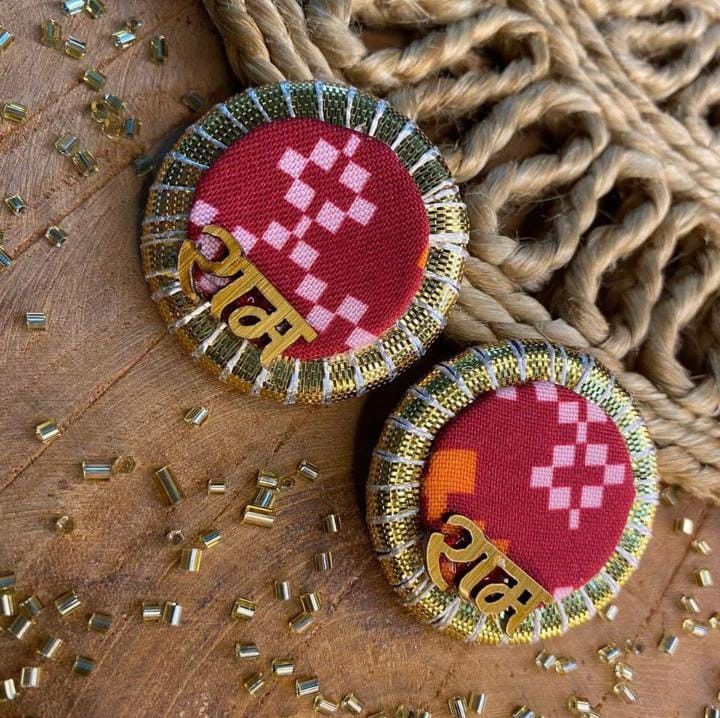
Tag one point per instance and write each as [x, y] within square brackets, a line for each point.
[714, 620]
[257, 516]
[190, 559]
[267, 480]
[167, 481]
[216, 486]
[264, 498]
[6, 39]
[158, 49]
[97, 470]
[5, 259]
[143, 165]
[9, 691]
[476, 703]
[48, 430]
[690, 604]
[301, 622]
[30, 676]
[565, 665]
[323, 561]
[624, 691]
[64, 525]
[131, 127]
[123, 465]
[36, 321]
[635, 647]
[701, 546]
[670, 495]
[48, 650]
[307, 686]
[73, 7]
[31, 607]
[15, 112]
[95, 8]
[123, 39]
[114, 103]
[83, 665]
[282, 590]
[668, 644]
[19, 627]
[712, 712]
[196, 415]
[254, 683]
[246, 651]
[67, 603]
[56, 236]
[684, 525]
[610, 613]
[579, 706]
[609, 654]
[283, 666]
[94, 79]
[172, 613]
[132, 24]
[330, 524]
[51, 34]
[210, 538]
[15, 203]
[85, 163]
[523, 712]
[404, 712]
[7, 581]
[545, 660]
[99, 110]
[175, 537]
[458, 707]
[308, 470]
[112, 126]
[311, 602]
[194, 100]
[100, 622]
[7, 603]
[324, 706]
[75, 48]
[152, 611]
[703, 577]
[244, 609]
[624, 672]
[694, 628]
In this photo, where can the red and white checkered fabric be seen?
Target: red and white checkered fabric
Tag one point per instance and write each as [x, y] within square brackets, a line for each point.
[544, 472]
[332, 219]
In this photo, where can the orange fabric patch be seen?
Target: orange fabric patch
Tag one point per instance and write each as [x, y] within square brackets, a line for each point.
[461, 464]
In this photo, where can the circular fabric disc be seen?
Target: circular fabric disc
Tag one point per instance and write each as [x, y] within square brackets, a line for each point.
[512, 492]
[305, 241]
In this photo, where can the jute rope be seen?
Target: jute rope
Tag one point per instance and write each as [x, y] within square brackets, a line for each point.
[586, 136]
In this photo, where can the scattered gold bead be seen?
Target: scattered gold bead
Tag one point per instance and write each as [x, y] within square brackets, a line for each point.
[670, 495]
[83, 665]
[246, 651]
[684, 525]
[95, 8]
[210, 538]
[124, 465]
[324, 706]
[690, 604]
[565, 665]
[283, 667]
[115, 104]
[85, 163]
[73, 7]
[257, 516]
[194, 100]
[167, 481]
[694, 628]
[6, 39]
[701, 546]
[123, 39]
[100, 622]
[56, 236]
[15, 112]
[158, 49]
[46, 431]
[311, 602]
[16, 204]
[196, 416]
[97, 470]
[217, 486]
[152, 611]
[308, 470]
[67, 603]
[36, 321]
[30, 677]
[609, 654]
[579, 706]
[268, 480]
[610, 613]
[712, 712]
[624, 691]
[9, 691]
[624, 672]
[330, 524]
[307, 686]
[94, 79]
[545, 660]
[172, 613]
[668, 644]
[523, 712]
[99, 110]
[31, 607]
[51, 34]
[175, 536]
[64, 525]
[131, 127]
[703, 577]
[301, 622]
[476, 703]
[48, 650]
[190, 559]
[243, 608]
[714, 621]
[19, 627]
[254, 683]
[7, 581]
[143, 165]
[7, 604]
[323, 561]
[5, 259]
[282, 590]
[132, 24]
[75, 48]
[458, 707]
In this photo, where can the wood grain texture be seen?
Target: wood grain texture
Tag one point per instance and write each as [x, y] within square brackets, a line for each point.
[118, 384]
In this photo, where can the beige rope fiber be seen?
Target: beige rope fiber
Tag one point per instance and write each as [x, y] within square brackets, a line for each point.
[585, 133]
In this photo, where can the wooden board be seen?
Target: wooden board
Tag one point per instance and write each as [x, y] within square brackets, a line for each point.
[118, 384]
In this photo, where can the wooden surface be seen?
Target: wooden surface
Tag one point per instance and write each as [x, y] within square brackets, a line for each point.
[118, 384]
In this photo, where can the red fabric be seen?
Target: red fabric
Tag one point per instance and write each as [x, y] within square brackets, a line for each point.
[545, 474]
[332, 219]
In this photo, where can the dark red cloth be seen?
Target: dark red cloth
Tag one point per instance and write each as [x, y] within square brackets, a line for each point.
[546, 475]
[332, 219]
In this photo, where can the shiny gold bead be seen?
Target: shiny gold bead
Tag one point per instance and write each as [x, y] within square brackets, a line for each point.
[36, 321]
[624, 691]
[73, 7]
[95, 8]
[99, 110]
[194, 100]
[31, 607]
[5, 259]
[545, 660]
[257, 516]
[51, 34]
[67, 603]
[173, 492]
[132, 24]
[458, 707]
[196, 416]
[283, 666]
[19, 627]
[190, 559]
[15, 112]
[100, 622]
[46, 431]
[7, 581]
[301, 622]
[175, 536]
[703, 577]
[268, 480]
[670, 495]
[308, 470]
[64, 525]
[324, 706]
[579, 706]
[701, 546]
[694, 628]
[330, 524]
[254, 683]
[123, 39]
[668, 644]
[131, 127]
[523, 712]
[56, 236]
[712, 712]
[476, 703]
[6, 39]
[123, 465]
[210, 538]
[307, 686]
[83, 665]
[684, 525]
[9, 691]
[610, 613]
[609, 654]
[172, 613]
[246, 651]
[152, 611]
[565, 665]
[49, 648]
[7, 604]
[311, 602]
[16, 204]
[264, 498]
[85, 163]
[97, 470]
[403, 711]
[624, 672]
[112, 127]
[143, 165]
[94, 79]
[714, 621]
[282, 590]
[30, 676]
[690, 604]
[158, 49]
[323, 561]
[75, 48]
[115, 104]
[244, 609]
[216, 486]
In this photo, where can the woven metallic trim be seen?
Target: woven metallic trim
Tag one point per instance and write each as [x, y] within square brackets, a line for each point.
[398, 467]
[209, 340]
